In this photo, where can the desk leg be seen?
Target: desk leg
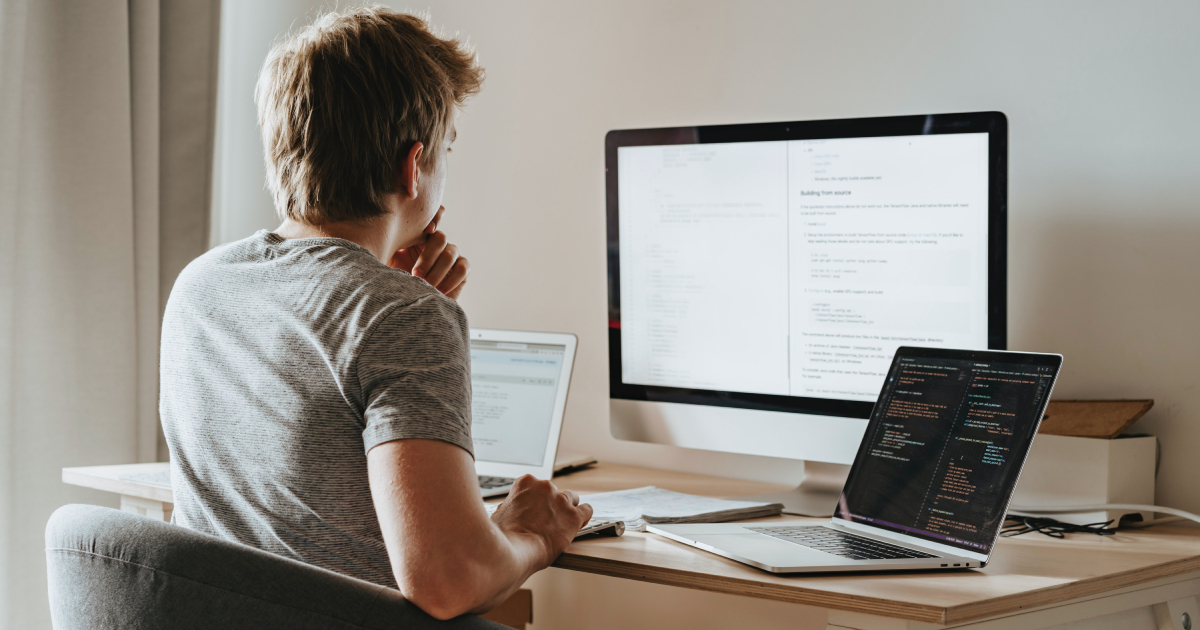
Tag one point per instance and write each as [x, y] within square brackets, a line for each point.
[160, 510]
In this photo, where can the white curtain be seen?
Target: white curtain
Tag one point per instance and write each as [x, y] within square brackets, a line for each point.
[105, 156]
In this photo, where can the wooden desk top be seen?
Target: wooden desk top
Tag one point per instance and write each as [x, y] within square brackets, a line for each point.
[1025, 572]
[109, 478]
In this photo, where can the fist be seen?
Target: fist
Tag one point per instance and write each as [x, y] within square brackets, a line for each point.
[538, 507]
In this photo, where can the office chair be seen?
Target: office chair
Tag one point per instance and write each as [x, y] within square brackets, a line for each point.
[110, 569]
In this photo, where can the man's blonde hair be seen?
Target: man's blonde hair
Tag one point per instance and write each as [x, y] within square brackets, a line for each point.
[342, 102]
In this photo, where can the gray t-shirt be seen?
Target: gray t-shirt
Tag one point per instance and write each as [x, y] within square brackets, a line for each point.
[283, 363]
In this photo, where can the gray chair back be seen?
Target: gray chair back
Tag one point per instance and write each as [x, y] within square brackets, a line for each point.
[110, 569]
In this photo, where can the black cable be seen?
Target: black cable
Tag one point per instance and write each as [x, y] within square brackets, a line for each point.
[1051, 527]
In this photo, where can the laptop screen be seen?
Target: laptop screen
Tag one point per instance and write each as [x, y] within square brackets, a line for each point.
[946, 442]
[514, 386]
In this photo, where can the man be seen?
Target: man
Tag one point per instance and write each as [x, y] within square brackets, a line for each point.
[316, 379]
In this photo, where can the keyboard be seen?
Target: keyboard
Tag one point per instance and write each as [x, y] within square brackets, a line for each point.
[491, 483]
[840, 543]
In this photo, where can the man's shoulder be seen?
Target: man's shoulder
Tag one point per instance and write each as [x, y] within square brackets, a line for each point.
[323, 277]
[406, 304]
[386, 288]
[330, 262]
[357, 281]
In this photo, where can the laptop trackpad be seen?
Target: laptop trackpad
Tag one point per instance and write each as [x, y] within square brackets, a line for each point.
[768, 550]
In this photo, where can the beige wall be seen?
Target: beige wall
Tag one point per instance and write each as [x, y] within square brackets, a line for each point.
[1105, 182]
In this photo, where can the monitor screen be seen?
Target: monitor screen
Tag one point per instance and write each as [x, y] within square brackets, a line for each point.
[784, 273]
[946, 443]
[513, 390]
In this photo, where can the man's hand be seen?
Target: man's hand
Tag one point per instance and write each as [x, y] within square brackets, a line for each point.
[435, 260]
[447, 556]
[538, 507]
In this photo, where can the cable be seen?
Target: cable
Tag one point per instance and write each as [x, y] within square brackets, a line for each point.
[1150, 523]
[1176, 515]
[1051, 527]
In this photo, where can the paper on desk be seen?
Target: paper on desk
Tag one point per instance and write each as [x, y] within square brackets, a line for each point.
[640, 506]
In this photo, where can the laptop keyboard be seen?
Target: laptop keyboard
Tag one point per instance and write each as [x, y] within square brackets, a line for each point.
[840, 543]
[487, 483]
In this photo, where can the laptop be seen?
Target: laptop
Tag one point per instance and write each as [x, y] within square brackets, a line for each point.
[519, 383]
[933, 477]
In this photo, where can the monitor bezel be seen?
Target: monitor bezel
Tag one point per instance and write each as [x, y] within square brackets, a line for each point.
[995, 124]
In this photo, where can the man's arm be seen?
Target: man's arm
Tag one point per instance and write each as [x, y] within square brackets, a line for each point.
[448, 557]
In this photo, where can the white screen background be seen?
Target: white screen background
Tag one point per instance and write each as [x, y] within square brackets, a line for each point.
[798, 267]
[513, 389]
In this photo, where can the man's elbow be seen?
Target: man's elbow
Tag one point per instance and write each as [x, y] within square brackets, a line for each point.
[442, 598]
[441, 608]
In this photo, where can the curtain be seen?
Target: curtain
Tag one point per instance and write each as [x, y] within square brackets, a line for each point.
[106, 112]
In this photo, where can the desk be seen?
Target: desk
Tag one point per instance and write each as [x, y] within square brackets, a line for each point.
[138, 497]
[1146, 579]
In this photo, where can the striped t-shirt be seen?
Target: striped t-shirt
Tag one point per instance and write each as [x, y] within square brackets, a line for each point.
[283, 363]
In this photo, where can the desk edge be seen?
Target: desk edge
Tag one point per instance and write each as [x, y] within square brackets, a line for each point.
[976, 611]
[75, 477]
[750, 588]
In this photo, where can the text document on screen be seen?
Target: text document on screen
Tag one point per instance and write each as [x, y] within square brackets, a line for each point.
[798, 267]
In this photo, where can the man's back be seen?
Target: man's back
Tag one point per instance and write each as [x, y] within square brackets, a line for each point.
[283, 363]
[315, 397]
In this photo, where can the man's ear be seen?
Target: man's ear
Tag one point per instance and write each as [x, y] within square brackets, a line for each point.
[410, 172]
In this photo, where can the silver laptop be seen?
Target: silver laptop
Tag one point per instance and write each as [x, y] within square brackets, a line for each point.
[930, 486]
[519, 383]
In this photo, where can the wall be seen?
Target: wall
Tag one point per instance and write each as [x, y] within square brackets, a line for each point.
[1104, 225]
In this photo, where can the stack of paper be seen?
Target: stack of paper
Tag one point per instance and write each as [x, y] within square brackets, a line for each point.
[640, 506]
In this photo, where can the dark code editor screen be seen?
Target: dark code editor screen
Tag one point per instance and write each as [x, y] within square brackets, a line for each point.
[945, 447]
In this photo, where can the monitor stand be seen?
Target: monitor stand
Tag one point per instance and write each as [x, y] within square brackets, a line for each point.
[817, 495]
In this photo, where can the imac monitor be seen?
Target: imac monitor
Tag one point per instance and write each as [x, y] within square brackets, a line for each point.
[761, 276]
